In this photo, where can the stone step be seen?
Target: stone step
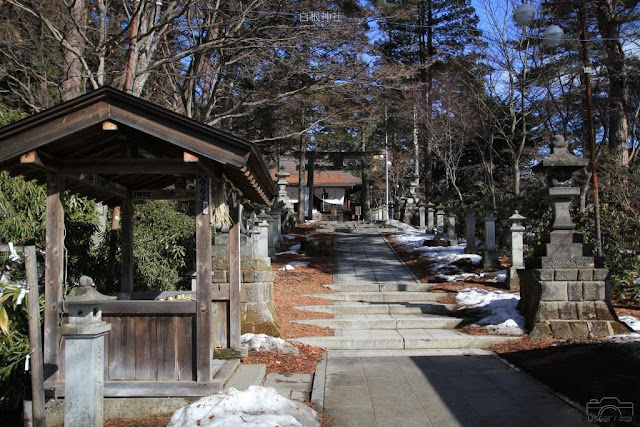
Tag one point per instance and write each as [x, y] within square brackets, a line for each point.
[377, 339]
[386, 321]
[385, 296]
[381, 308]
[224, 369]
[246, 376]
[379, 287]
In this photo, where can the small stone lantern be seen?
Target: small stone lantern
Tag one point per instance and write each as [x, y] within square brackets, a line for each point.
[84, 355]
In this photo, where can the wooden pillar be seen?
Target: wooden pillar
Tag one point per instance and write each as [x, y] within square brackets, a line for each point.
[54, 269]
[204, 327]
[126, 265]
[235, 278]
[39, 417]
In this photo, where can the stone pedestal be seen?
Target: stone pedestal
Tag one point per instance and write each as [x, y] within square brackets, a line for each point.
[564, 294]
[470, 225]
[440, 222]
[430, 217]
[490, 259]
[271, 233]
[517, 251]
[84, 356]
[422, 208]
[452, 237]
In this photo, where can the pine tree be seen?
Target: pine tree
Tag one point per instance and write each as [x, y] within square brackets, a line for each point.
[431, 41]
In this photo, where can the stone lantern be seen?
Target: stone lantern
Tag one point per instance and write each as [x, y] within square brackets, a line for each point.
[282, 200]
[563, 292]
[84, 355]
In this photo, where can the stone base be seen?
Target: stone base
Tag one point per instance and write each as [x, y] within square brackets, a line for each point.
[577, 329]
[513, 280]
[567, 303]
[260, 318]
[490, 260]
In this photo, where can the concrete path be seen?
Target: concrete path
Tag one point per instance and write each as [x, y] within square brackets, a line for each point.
[437, 388]
[399, 362]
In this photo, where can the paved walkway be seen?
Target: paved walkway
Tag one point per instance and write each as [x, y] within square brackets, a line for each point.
[422, 387]
[362, 256]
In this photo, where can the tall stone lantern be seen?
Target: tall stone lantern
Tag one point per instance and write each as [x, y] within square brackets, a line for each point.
[563, 292]
[84, 355]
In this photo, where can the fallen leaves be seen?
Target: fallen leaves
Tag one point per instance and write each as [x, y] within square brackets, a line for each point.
[288, 363]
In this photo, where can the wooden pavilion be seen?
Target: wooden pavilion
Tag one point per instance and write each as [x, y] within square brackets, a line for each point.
[116, 148]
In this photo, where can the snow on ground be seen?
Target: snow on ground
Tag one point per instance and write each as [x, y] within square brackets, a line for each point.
[303, 264]
[263, 342]
[289, 237]
[293, 250]
[632, 337]
[443, 256]
[287, 267]
[257, 406]
[637, 282]
[631, 322]
[498, 310]
[401, 225]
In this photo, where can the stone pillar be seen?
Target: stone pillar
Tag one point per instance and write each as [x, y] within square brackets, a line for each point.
[452, 237]
[84, 355]
[271, 238]
[422, 208]
[276, 225]
[490, 255]
[564, 293]
[430, 217]
[440, 222]
[517, 251]
[470, 222]
[263, 239]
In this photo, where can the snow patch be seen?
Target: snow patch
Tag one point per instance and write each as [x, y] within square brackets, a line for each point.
[631, 322]
[287, 267]
[398, 224]
[293, 250]
[444, 257]
[632, 337]
[289, 237]
[303, 264]
[498, 310]
[257, 406]
[263, 342]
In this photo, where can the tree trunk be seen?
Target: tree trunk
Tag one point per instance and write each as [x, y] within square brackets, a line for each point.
[72, 84]
[365, 194]
[609, 26]
[301, 160]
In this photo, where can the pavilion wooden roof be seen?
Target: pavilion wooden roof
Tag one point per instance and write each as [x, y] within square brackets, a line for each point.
[111, 146]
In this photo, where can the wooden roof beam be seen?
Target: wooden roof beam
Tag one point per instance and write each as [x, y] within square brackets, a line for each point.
[33, 158]
[99, 183]
[130, 166]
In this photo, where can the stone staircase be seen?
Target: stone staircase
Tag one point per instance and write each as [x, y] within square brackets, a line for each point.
[390, 316]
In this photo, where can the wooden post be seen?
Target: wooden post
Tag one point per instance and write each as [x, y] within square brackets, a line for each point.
[126, 264]
[204, 329]
[54, 269]
[235, 278]
[35, 339]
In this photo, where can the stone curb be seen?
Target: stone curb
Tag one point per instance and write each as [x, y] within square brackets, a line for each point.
[317, 391]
